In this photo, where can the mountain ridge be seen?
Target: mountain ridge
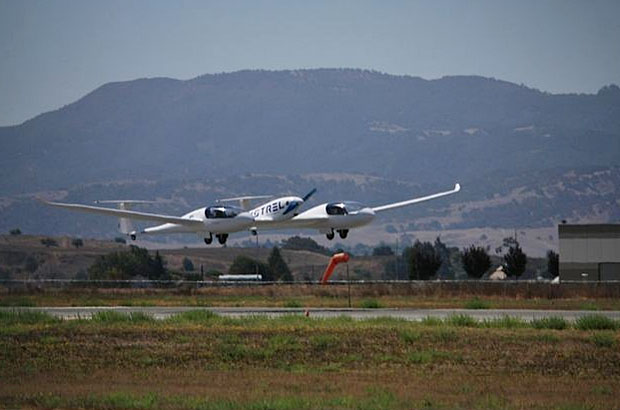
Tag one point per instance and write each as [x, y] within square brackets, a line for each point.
[410, 134]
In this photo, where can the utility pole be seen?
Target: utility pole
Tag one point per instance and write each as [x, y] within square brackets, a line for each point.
[349, 285]
[397, 264]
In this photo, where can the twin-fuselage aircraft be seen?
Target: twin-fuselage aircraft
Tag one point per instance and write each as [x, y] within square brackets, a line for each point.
[220, 220]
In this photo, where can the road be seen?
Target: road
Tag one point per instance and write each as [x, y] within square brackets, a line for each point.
[408, 314]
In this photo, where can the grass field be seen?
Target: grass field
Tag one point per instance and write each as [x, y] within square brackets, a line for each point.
[198, 360]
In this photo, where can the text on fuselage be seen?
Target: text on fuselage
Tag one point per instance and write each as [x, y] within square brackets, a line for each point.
[268, 209]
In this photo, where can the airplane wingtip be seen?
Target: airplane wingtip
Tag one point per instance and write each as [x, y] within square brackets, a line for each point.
[457, 187]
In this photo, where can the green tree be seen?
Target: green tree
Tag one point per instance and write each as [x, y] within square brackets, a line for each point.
[157, 269]
[297, 243]
[476, 261]
[278, 267]
[31, 264]
[49, 242]
[445, 269]
[515, 260]
[77, 242]
[188, 265]
[244, 265]
[382, 250]
[423, 260]
[553, 263]
[15, 231]
[128, 264]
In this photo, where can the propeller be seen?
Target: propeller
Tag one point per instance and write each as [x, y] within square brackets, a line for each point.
[293, 205]
[309, 194]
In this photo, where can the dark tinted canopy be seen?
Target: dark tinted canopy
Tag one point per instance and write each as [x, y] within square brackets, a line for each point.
[221, 211]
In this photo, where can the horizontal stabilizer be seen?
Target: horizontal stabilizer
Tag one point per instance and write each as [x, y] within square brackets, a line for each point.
[244, 201]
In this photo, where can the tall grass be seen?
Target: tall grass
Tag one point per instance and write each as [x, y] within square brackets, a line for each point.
[292, 303]
[370, 304]
[477, 303]
[554, 322]
[596, 322]
[603, 339]
[193, 316]
[505, 322]
[110, 316]
[461, 321]
[372, 398]
[26, 317]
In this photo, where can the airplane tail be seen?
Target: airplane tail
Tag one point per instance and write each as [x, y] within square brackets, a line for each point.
[125, 226]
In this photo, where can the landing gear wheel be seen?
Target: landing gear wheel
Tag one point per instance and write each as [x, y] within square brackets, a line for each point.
[221, 238]
[343, 233]
[133, 237]
[330, 235]
[209, 239]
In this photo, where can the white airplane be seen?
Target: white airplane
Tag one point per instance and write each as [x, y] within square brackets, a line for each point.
[218, 220]
[342, 216]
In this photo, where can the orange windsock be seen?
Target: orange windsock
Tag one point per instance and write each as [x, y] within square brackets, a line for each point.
[335, 260]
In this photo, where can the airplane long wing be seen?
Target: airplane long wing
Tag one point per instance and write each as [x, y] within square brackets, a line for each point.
[456, 189]
[121, 213]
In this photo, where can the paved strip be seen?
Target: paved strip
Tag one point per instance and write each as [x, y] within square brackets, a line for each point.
[407, 314]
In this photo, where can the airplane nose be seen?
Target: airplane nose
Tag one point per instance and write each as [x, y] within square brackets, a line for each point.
[292, 205]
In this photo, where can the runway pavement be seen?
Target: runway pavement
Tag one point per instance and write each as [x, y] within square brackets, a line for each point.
[408, 314]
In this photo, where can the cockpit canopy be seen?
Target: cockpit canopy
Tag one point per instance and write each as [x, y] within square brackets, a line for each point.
[222, 211]
[342, 208]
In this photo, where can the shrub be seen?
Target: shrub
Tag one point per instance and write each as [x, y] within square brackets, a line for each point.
[595, 322]
[188, 265]
[28, 317]
[15, 232]
[462, 320]
[409, 336]
[127, 264]
[370, 304]
[246, 265]
[193, 316]
[604, 339]
[49, 242]
[476, 303]
[111, 316]
[432, 321]
[292, 303]
[506, 322]
[557, 323]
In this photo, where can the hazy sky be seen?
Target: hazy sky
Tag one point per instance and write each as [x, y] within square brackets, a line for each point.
[54, 52]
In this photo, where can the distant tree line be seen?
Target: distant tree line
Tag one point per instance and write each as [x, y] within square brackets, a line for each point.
[275, 269]
[420, 261]
[426, 260]
[130, 264]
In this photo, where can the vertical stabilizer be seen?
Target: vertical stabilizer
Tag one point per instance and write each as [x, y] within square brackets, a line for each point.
[125, 226]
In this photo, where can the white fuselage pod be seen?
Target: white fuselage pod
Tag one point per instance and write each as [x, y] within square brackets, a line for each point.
[280, 209]
[215, 220]
[326, 217]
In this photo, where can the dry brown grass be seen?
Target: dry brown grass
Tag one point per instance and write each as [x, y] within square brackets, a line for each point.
[415, 295]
